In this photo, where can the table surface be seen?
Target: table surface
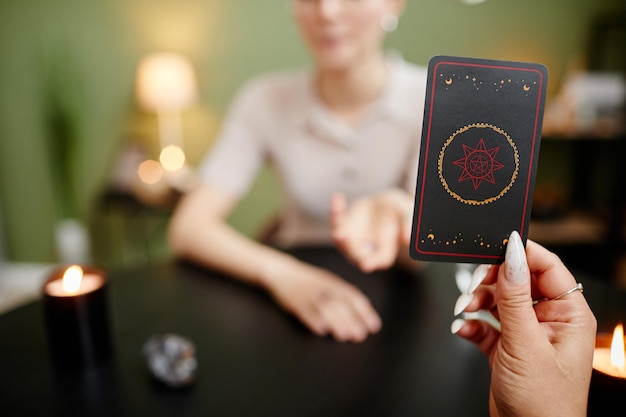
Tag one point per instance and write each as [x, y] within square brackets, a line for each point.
[255, 360]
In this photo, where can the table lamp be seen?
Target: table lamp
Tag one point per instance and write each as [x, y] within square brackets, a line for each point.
[166, 85]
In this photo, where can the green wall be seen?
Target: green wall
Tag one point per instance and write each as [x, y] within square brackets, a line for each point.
[67, 72]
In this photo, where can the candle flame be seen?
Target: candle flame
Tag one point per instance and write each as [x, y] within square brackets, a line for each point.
[617, 347]
[72, 279]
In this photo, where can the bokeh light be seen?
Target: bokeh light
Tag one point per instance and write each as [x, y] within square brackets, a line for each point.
[172, 158]
[150, 171]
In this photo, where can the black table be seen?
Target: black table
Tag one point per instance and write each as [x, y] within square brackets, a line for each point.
[255, 360]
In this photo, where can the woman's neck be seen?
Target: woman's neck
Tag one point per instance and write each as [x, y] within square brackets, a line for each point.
[348, 93]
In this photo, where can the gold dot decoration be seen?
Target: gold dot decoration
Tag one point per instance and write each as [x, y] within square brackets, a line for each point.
[458, 239]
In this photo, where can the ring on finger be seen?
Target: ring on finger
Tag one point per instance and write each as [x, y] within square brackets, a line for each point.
[578, 287]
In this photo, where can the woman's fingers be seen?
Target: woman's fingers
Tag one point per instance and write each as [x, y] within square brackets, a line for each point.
[385, 243]
[339, 310]
[349, 231]
[337, 215]
[368, 232]
[478, 332]
[554, 278]
[348, 316]
[483, 298]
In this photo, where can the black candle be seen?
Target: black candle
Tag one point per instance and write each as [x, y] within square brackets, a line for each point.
[76, 316]
[608, 381]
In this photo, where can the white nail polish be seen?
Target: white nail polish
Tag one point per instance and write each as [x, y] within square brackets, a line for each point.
[456, 326]
[516, 265]
[479, 275]
[462, 302]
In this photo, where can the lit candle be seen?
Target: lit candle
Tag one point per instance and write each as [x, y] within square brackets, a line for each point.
[75, 312]
[74, 282]
[610, 360]
[608, 380]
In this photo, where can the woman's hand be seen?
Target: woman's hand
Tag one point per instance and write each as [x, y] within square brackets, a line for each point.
[373, 230]
[541, 360]
[324, 302]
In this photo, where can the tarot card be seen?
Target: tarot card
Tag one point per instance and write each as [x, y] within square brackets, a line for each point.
[480, 144]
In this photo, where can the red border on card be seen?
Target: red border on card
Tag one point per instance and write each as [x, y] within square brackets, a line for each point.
[530, 166]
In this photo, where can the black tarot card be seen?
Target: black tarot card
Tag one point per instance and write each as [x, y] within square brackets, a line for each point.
[478, 158]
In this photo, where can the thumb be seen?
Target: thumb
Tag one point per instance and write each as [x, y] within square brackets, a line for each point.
[407, 226]
[515, 308]
[338, 206]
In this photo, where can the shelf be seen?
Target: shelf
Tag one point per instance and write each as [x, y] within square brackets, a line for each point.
[572, 229]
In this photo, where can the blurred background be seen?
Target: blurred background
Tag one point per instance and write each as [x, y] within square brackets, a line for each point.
[81, 113]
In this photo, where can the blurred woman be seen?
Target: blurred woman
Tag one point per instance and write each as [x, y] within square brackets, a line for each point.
[343, 138]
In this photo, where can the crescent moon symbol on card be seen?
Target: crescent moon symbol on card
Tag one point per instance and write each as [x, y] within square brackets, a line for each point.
[449, 81]
[526, 87]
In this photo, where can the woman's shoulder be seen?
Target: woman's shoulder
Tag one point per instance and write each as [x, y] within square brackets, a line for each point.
[411, 75]
[270, 97]
[406, 91]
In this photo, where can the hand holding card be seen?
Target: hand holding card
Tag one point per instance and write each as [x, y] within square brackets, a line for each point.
[478, 159]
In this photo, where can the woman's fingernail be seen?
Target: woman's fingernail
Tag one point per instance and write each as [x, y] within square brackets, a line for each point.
[462, 302]
[456, 326]
[374, 324]
[367, 266]
[516, 265]
[479, 275]
[359, 333]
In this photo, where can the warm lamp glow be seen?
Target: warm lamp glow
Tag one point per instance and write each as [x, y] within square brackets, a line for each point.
[72, 279]
[165, 82]
[617, 347]
[150, 171]
[172, 158]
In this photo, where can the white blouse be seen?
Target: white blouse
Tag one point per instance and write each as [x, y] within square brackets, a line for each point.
[278, 119]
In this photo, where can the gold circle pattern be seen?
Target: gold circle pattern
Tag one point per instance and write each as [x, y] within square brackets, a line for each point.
[504, 190]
